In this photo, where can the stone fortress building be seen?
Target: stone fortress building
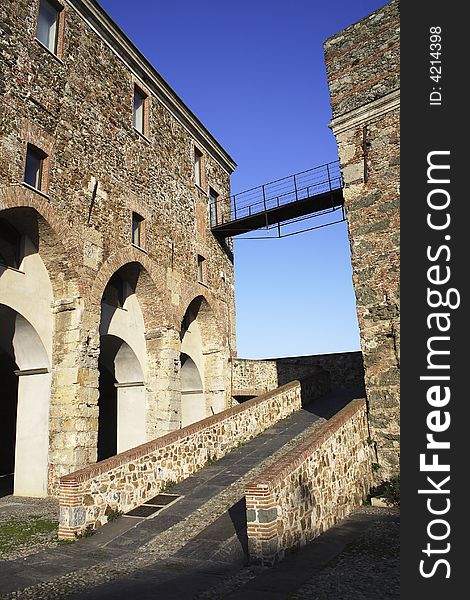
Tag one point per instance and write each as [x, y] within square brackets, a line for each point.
[117, 319]
[116, 301]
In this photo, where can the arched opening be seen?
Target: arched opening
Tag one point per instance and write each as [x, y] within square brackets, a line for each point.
[193, 403]
[24, 406]
[122, 407]
[199, 363]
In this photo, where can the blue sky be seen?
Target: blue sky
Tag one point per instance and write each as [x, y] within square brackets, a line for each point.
[253, 73]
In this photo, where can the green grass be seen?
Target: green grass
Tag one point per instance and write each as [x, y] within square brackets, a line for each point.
[17, 533]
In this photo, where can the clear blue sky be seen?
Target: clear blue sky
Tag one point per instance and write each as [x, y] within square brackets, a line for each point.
[253, 72]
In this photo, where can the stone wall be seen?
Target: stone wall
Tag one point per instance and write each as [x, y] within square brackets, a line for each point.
[362, 65]
[76, 105]
[315, 485]
[130, 478]
[252, 377]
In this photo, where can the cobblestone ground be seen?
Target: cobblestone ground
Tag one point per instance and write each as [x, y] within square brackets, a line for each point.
[27, 525]
[367, 569]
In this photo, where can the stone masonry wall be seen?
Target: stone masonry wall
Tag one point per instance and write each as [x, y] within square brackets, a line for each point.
[130, 478]
[362, 64]
[77, 106]
[311, 488]
[252, 377]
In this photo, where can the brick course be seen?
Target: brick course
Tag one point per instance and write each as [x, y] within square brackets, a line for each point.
[316, 484]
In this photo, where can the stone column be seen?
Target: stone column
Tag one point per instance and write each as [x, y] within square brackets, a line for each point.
[73, 419]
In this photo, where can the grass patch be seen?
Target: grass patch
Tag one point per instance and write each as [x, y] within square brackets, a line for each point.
[17, 533]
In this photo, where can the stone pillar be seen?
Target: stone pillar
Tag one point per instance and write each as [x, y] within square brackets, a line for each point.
[163, 381]
[73, 420]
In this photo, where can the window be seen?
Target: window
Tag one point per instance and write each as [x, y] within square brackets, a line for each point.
[9, 245]
[197, 167]
[138, 238]
[201, 269]
[140, 110]
[213, 206]
[34, 168]
[48, 24]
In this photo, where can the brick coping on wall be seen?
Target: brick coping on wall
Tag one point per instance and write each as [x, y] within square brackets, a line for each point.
[295, 457]
[106, 465]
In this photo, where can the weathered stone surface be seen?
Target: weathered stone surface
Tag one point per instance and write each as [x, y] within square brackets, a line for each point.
[77, 107]
[345, 371]
[316, 484]
[362, 64]
[169, 459]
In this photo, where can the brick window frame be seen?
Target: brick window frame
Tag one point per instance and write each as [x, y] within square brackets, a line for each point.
[139, 89]
[201, 269]
[215, 207]
[138, 234]
[58, 51]
[32, 153]
[198, 167]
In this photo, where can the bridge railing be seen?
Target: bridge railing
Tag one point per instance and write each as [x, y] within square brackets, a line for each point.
[293, 188]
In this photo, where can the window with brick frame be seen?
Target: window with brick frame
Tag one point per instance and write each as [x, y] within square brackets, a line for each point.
[138, 230]
[198, 167]
[201, 269]
[35, 167]
[141, 108]
[49, 27]
[215, 212]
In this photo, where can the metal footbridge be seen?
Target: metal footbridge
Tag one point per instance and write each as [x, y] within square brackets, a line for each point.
[315, 192]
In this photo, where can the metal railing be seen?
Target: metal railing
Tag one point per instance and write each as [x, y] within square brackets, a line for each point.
[294, 188]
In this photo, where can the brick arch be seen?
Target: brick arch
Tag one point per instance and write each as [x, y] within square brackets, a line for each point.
[56, 241]
[152, 296]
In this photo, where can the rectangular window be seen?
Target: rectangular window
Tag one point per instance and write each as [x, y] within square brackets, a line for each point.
[197, 167]
[48, 24]
[214, 208]
[137, 230]
[201, 269]
[140, 110]
[34, 168]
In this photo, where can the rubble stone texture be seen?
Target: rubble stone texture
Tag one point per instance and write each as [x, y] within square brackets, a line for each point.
[318, 483]
[77, 107]
[362, 63]
[129, 479]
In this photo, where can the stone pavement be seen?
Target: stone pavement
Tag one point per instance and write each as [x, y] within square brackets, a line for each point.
[193, 546]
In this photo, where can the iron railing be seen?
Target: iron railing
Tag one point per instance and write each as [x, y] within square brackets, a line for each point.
[303, 185]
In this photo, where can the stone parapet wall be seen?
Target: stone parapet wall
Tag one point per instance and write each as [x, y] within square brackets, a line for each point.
[316, 484]
[252, 377]
[131, 478]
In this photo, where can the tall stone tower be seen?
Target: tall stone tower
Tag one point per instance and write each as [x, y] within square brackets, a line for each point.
[363, 69]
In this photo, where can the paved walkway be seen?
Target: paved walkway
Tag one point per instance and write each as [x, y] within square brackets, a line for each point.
[194, 545]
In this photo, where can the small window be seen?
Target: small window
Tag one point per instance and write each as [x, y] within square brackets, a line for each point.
[140, 110]
[201, 269]
[10, 241]
[48, 24]
[197, 167]
[34, 168]
[138, 238]
[214, 208]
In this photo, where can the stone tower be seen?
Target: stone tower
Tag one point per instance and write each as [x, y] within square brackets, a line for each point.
[363, 69]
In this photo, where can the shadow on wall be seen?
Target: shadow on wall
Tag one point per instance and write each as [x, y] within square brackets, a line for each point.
[346, 369]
